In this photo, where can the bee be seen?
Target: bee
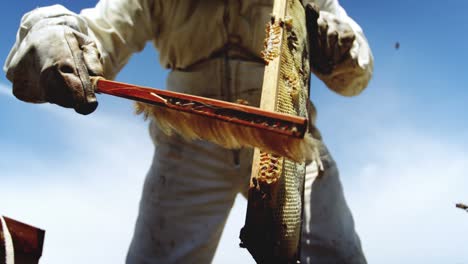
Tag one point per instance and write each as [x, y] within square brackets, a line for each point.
[293, 85]
[287, 23]
[242, 102]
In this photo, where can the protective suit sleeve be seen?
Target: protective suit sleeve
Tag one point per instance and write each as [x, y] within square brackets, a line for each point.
[351, 76]
[121, 28]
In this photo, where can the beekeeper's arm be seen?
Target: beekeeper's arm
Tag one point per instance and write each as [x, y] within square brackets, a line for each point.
[340, 53]
[57, 50]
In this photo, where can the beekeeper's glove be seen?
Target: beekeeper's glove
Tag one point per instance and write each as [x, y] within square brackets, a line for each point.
[330, 39]
[52, 60]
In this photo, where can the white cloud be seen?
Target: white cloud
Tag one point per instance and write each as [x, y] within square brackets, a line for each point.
[404, 199]
[87, 205]
[5, 90]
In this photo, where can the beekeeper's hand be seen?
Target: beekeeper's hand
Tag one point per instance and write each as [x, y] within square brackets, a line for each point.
[53, 59]
[330, 39]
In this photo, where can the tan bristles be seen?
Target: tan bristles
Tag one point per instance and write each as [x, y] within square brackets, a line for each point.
[229, 135]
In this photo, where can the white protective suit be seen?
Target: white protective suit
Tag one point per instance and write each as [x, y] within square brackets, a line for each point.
[213, 49]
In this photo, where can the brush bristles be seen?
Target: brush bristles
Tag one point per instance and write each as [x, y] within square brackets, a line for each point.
[229, 135]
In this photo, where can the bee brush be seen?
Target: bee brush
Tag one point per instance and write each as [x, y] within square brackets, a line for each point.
[226, 124]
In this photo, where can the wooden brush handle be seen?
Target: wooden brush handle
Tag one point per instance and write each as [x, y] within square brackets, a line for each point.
[280, 123]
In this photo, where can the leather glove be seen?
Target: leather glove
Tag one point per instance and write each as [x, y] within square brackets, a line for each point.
[330, 39]
[52, 61]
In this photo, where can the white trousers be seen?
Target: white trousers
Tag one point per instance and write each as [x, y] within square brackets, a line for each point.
[191, 186]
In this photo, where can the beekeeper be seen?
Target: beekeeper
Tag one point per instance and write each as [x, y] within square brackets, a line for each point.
[213, 50]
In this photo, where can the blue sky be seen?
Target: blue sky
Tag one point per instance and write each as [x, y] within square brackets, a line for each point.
[401, 146]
